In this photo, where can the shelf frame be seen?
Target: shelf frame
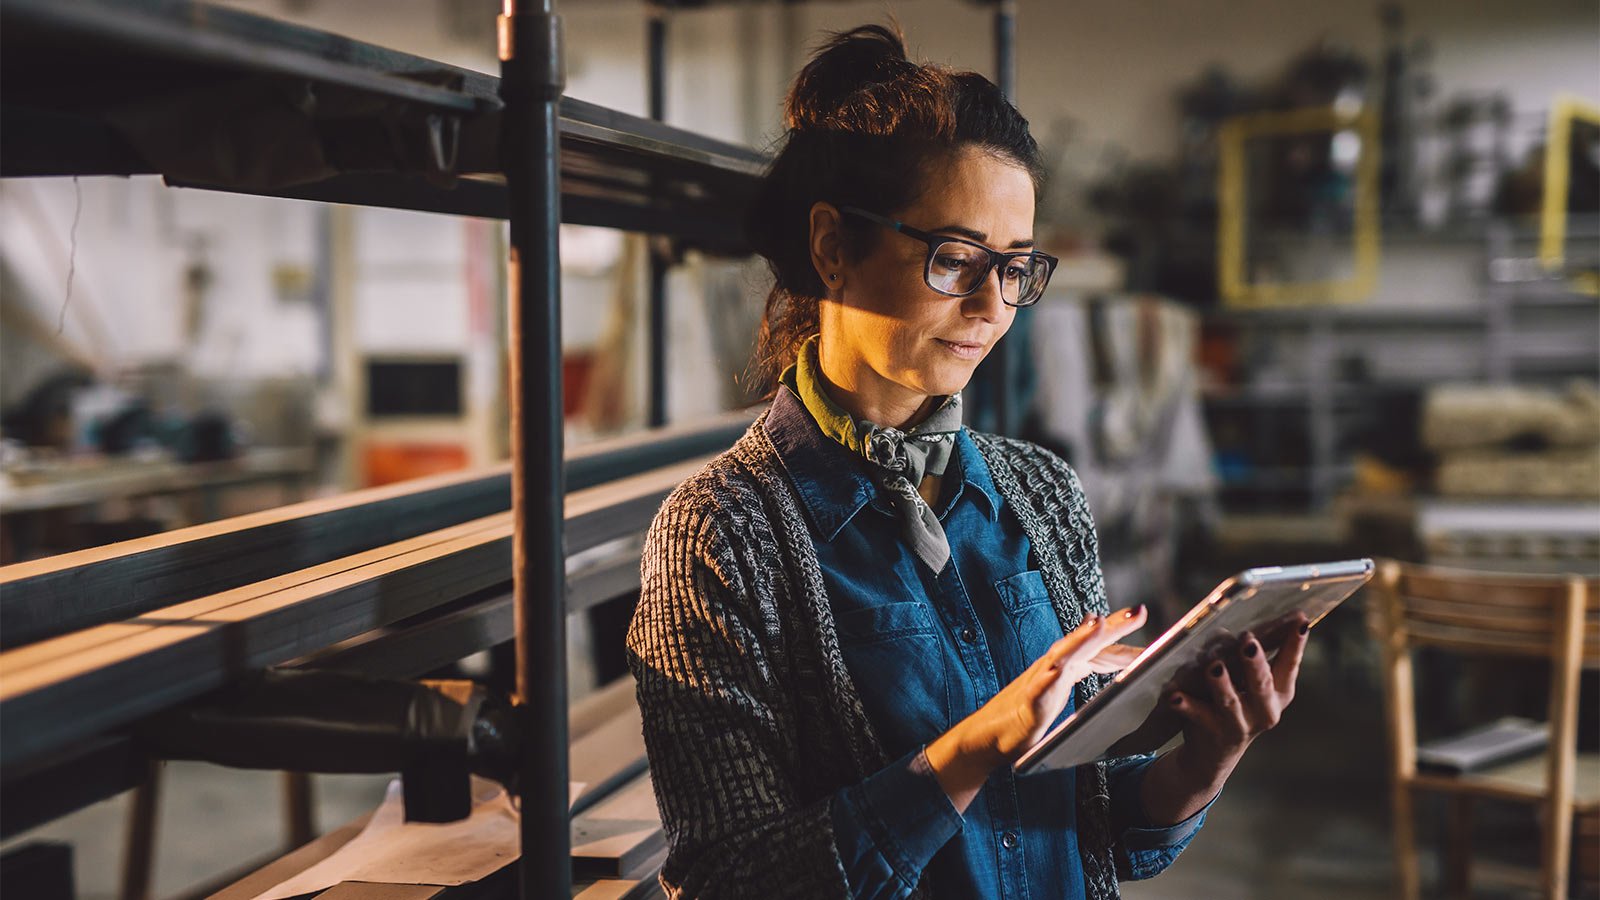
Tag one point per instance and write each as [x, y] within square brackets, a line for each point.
[84, 85]
[135, 62]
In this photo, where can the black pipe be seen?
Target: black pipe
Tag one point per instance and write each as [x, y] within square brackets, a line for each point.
[992, 380]
[1005, 42]
[532, 78]
[657, 36]
[1005, 64]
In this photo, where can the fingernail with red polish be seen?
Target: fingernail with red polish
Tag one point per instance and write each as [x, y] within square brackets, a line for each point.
[1305, 627]
[1250, 650]
[1175, 700]
[1216, 670]
[1133, 612]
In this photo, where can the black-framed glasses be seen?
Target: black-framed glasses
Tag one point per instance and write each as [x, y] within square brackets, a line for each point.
[957, 267]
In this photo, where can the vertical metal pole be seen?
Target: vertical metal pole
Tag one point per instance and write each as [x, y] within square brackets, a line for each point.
[1321, 353]
[531, 83]
[1005, 42]
[994, 376]
[657, 37]
[658, 263]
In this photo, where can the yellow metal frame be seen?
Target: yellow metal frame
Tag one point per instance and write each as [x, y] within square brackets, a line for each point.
[1231, 137]
[1557, 157]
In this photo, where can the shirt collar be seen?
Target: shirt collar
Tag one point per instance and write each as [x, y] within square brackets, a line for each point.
[973, 472]
[833, 482]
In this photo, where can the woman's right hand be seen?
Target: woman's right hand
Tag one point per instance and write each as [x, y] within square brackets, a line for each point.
[1018, 717]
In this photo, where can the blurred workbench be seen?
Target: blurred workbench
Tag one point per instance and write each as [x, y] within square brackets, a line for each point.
[31, 494]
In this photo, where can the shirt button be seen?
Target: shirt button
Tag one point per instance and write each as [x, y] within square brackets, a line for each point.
[968, 635]
[1009, 840]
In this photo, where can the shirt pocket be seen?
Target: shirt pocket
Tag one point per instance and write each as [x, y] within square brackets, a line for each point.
[897, 661]
[1034, 625]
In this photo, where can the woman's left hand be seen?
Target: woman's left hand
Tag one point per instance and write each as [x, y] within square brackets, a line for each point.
[1247, 697]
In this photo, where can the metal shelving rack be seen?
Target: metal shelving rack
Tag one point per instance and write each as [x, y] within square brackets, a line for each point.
[1527, 330]
[78, 79]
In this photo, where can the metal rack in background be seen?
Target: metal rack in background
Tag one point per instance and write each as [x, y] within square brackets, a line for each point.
[91, 87]
[1530, 329]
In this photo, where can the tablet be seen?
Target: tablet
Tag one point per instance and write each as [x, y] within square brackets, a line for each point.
[1270, 602]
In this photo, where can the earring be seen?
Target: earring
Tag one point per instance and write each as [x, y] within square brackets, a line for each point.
[833, 277]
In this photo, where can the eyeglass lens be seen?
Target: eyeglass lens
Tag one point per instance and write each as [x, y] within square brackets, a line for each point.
[958, 268]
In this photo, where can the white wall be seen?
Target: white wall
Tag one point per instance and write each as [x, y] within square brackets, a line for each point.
[134, 240]
[1112, 67]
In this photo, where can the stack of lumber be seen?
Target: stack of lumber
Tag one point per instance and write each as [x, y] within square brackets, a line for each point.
[395, 582]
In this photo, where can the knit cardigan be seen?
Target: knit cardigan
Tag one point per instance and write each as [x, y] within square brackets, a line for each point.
[751, 721]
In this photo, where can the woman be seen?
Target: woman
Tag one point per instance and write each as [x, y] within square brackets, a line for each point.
[856, 618]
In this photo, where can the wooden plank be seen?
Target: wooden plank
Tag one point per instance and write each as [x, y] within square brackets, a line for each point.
[80, 694]
[620, 508]
[1400, 713]
[108, 765]
[47, 597]
[366, 890]
[50, 695]
[292, 863]
[606, 759]
[80, 644]
[1484, 615]
[593, 517]
[1451, 784]
[597, 717]
[1531, 775]
[406, 651]
[422, 646]
[502, 885]
[604, 581]
[646, 885]
[1463, 586]
[620, 835]
[602, 706]
[1475, 641]
[1561, 773]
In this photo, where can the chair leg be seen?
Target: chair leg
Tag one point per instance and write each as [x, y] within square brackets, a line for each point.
[299, 810]
[138, 859]
[1458, 847]
[1405, 843]
[1557, 848]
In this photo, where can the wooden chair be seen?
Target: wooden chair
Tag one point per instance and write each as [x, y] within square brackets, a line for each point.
[1477, 614]
[139, 848]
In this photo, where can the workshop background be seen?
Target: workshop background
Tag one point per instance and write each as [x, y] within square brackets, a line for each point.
[1327, 290]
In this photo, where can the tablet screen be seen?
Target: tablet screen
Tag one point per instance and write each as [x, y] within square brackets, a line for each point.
[1271, 602]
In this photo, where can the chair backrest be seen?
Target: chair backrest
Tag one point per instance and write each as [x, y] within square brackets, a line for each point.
[1488, 613]
[1475, 613]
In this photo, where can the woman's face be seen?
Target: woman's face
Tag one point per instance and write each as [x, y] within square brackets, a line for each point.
[890, 342]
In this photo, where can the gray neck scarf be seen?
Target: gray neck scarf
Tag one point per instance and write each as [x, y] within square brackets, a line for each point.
[898, 460]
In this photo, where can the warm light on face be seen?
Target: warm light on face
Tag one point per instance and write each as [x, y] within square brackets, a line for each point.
[890, 337]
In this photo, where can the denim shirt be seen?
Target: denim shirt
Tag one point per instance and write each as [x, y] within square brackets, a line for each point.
[924, 651]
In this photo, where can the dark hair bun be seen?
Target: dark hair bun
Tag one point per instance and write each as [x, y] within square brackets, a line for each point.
[861, 82]
[864, 123]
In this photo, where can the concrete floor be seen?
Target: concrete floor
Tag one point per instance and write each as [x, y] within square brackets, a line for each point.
[1305, 817]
